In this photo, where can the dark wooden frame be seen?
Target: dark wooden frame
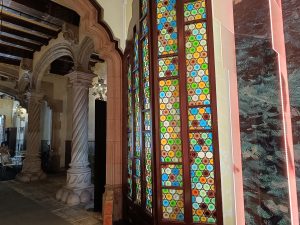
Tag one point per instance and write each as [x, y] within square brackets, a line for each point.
[139, 211]
[184, 113]
[140, 214]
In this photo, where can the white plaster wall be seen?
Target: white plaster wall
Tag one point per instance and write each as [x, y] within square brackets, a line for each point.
[46, 122]
[6, 108]
[60, 92]
[115, 17]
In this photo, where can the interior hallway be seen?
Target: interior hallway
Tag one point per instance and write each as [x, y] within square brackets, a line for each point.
[35, 204]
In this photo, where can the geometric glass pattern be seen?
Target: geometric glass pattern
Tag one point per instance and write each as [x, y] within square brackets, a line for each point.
[171, 150]
[145, 28]
[136, 51]
[146, 78]
[167, 27]
[195, 10]
[168, 67]
[129, 134]
[137, 123]
[148, 170]
[172, 204]
[172, 175]
[202, 177]
[144, 7]
[147, 121]
[199, 118]
[138, 189]
[147, 116]
[197, 64]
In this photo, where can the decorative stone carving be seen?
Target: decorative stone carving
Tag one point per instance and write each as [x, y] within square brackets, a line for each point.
[32, 164]
[70, 33]
[79, 188]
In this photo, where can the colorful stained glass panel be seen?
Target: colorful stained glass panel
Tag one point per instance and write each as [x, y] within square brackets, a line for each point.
[145, 27]
[129, 137]
[168, 67]
[202, 177]
[146, 74]
[148, 171]
[200, 118]
[136, 51]
[138, 190]
[167, 27]
[144, 7]
[195, 10]
[172, 207]
[147, 121]
[197, 65]
[171, 150]
[129, 165]
[172, 175]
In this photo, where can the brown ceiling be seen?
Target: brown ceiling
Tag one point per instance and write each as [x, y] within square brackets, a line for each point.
[27, 25]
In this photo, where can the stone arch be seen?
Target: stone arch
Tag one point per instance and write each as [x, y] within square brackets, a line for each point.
[85, 50]
[52, 53]
[92, 26]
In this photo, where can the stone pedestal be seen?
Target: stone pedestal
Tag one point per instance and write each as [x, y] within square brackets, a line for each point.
[79, 188]
[32, 169]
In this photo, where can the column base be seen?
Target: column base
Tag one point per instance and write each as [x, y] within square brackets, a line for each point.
[75, 196]
[29, 177]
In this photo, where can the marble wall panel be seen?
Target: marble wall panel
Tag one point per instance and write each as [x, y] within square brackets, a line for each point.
[291, 17]
[266, 194]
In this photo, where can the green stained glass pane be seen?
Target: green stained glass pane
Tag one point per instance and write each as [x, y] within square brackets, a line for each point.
[172, 207]
[202, 177]
[170, 121]
[166, 26]
[197, 64]
[146, 74]
[168, 66]
[148, 171]
[200, 118]
[172, 175]
[195, 10]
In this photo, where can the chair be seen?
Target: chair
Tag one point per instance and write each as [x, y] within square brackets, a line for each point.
[5, 162]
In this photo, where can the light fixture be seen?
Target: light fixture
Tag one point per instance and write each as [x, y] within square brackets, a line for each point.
[99, 89]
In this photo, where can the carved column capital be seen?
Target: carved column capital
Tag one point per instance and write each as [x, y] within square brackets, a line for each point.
[35, 97]
[82, 79]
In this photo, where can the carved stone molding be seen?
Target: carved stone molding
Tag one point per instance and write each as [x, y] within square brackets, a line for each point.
[71, 33]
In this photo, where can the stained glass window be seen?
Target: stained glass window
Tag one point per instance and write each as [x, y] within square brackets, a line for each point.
[183, 90]
[192, 115]
[147, 121]
[173, 206]
[167, 27]
[202, 168]
[129, 134]
[168, 67]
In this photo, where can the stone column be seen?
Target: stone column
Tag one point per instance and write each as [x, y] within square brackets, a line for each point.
[79, 188]
[32, 169]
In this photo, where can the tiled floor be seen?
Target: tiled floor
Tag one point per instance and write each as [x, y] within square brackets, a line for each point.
[43, 193]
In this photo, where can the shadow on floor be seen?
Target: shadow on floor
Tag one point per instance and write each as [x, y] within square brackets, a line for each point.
[15, 209]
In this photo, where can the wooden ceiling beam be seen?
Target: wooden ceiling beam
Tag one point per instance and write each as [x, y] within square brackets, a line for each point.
[53, 9]
[17, 20]
[20, 42]
[11, 50]
[23, 34]
[10, 61]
